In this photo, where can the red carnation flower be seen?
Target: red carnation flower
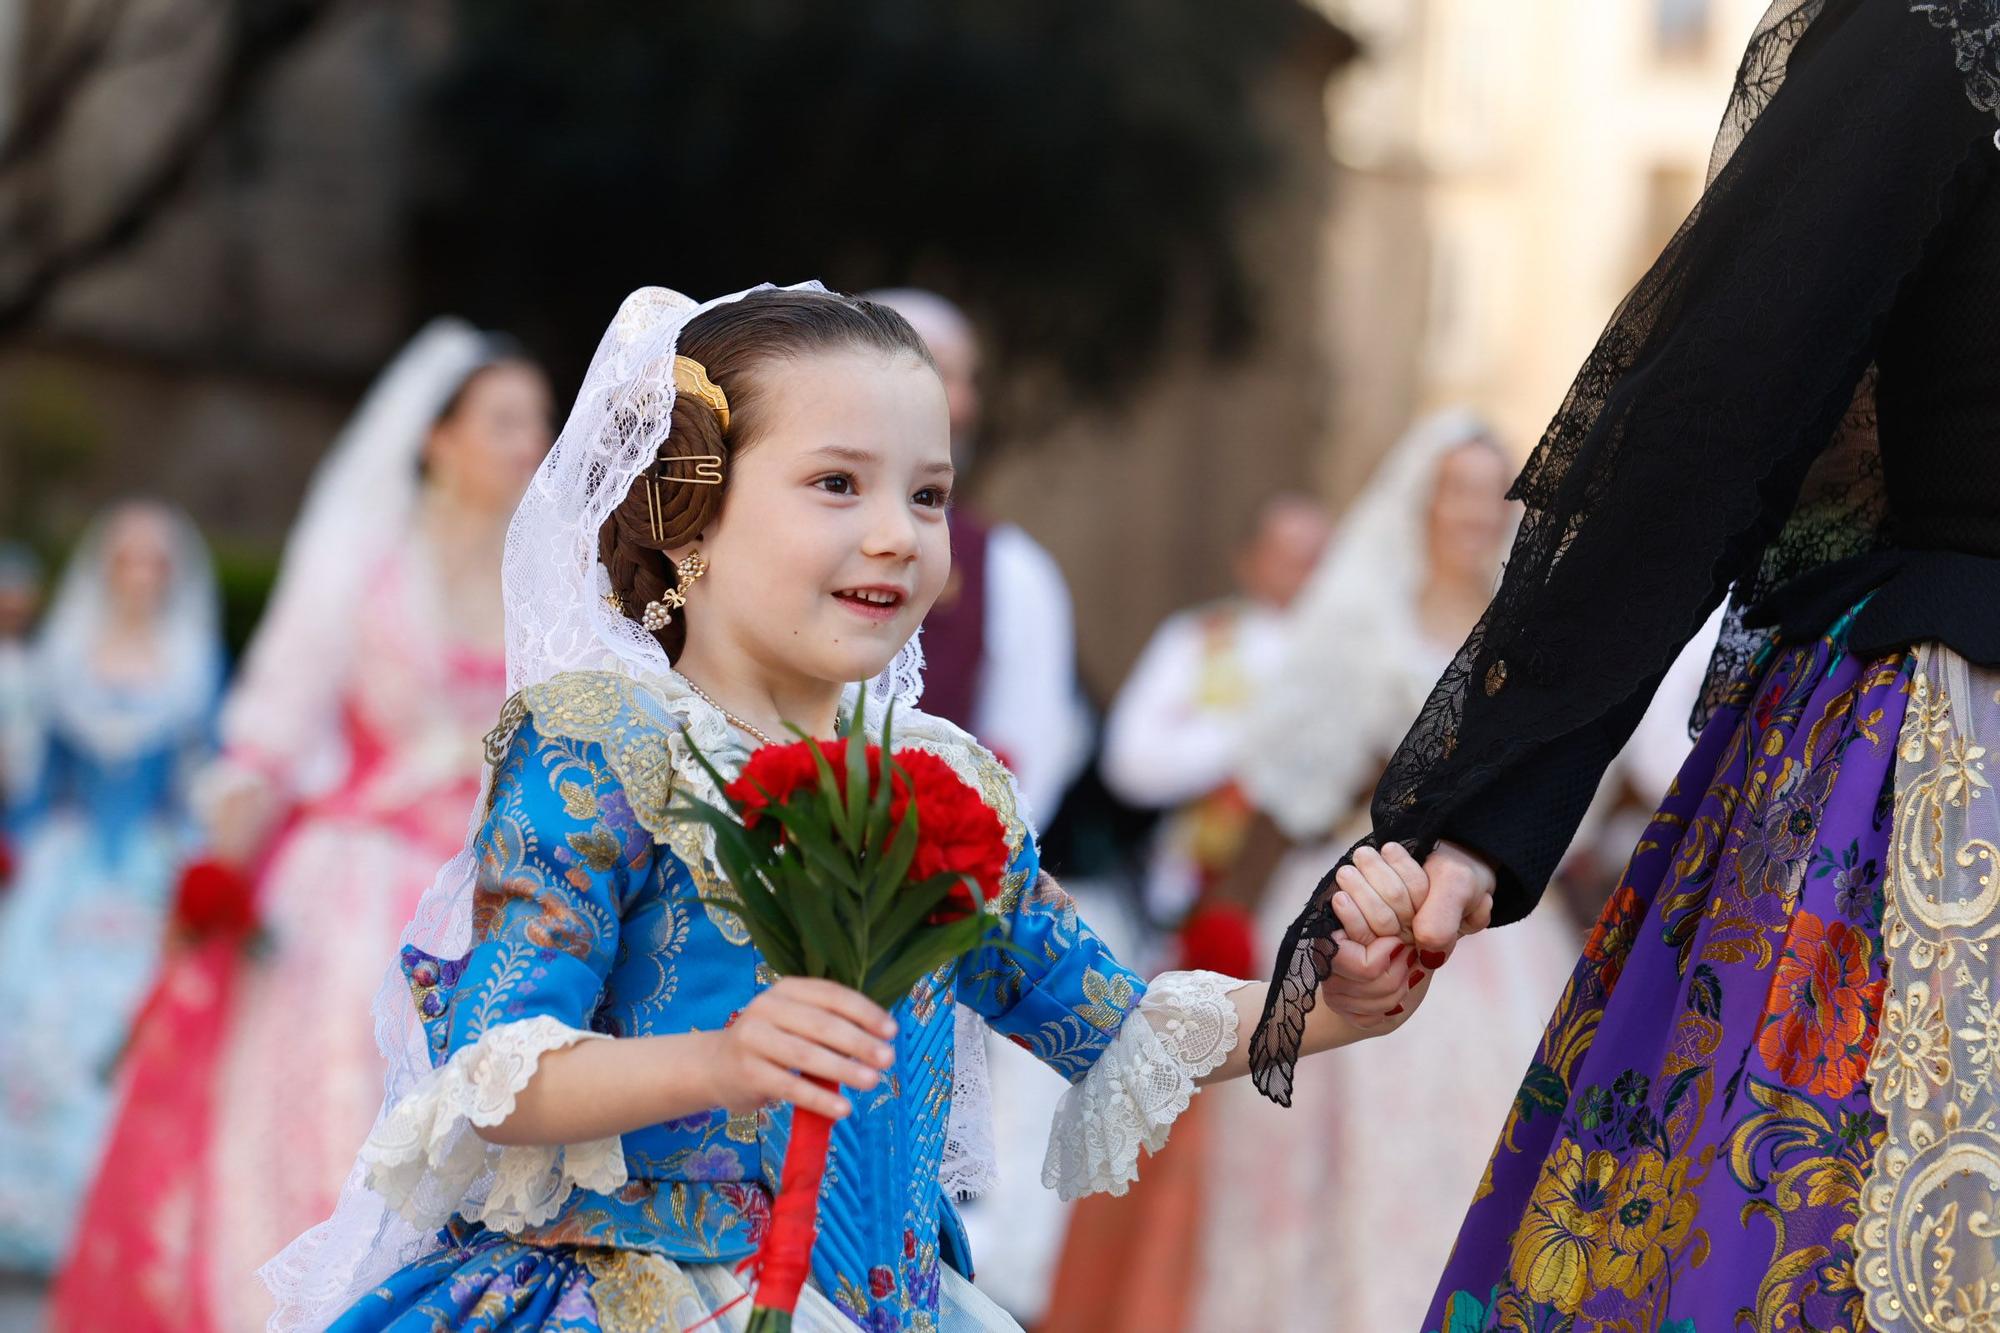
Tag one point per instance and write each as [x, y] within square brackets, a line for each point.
[214, 899]
[957, 832]
[776, 773]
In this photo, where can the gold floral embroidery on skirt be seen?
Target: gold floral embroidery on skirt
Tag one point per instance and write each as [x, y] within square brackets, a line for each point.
[639, 1293]
[1928, 1242]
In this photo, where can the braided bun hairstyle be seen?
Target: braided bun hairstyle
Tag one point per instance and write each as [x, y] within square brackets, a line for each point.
[737, 344]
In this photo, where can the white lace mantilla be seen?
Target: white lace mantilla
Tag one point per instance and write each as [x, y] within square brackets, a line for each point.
[428, 1161]
[1184, 1028]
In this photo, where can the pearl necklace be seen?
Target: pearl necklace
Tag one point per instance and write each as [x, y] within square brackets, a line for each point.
[727, 716]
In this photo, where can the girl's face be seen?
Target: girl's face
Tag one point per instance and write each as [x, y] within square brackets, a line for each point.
[139, 561]
[1468, 513]
[486, 451]
[832, 543]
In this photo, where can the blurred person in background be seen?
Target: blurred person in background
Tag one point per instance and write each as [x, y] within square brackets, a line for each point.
[1174, 736]
[1000, 660]
[20, 736]
[1309, 1211]
[352, 747]
[1000, 645]
[1174, 741]
[126, 671]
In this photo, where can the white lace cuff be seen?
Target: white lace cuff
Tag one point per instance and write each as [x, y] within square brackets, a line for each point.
[1184, 1028]
[425, 1159]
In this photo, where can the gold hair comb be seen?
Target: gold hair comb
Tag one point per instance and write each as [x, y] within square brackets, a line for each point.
[690, 376]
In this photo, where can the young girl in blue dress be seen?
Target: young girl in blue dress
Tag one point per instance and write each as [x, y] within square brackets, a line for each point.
[593, 1072]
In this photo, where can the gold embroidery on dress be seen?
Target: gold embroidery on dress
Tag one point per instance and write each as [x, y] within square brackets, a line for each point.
[1928, 1240]
[624, 719]
[642, 741]
[635, 1292]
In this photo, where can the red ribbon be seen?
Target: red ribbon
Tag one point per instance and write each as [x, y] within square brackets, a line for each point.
[785, 1258]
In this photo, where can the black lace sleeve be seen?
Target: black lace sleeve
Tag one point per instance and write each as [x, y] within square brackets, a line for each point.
[1681, 448]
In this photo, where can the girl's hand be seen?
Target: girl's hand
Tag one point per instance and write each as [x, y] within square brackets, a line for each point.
[802, 1026]
[1379, 894]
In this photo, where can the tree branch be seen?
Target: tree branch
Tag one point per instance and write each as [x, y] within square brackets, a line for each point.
[261, 32]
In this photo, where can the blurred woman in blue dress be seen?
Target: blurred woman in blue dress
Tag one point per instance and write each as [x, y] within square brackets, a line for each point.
[125, 675]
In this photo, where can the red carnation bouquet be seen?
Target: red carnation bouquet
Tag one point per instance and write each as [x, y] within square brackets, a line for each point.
[857, 865]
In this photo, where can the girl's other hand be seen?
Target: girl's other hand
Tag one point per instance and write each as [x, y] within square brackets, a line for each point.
[1379, 894]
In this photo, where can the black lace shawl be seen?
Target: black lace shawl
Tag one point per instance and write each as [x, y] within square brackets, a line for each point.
[1678, 465]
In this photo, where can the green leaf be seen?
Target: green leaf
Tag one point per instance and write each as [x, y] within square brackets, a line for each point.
[813, 842]
[777, 945]
[857, 777]
[821, 929]
[880, 798]
[1542, 1090]
[927, 952]
[913, 905]
[829, 792]
[838, 872]
[892, 868]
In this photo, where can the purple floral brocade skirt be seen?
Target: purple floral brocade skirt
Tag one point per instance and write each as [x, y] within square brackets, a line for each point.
[1687, 1151]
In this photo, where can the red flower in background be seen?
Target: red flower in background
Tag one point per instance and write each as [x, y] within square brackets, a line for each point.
[214, 899]
[1219, 937]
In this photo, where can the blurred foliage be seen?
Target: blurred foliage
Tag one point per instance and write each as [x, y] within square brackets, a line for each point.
[1070, 172]
[244, 575]
[52, 442]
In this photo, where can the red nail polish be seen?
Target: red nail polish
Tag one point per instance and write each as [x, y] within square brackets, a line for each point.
[1416, 975]
[1393, 1012]
[1431, 960]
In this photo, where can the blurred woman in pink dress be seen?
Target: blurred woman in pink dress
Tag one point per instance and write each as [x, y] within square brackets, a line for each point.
[352, 749]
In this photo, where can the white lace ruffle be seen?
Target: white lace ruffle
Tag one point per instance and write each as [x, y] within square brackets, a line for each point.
[427, 1160]
[969, 1167]
[1184, 1028]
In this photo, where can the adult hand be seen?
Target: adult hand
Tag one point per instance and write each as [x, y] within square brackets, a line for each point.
[1369, 983]
[1457, 900]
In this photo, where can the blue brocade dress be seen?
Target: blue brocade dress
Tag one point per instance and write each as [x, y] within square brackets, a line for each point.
[100, 842]
[589, 924]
